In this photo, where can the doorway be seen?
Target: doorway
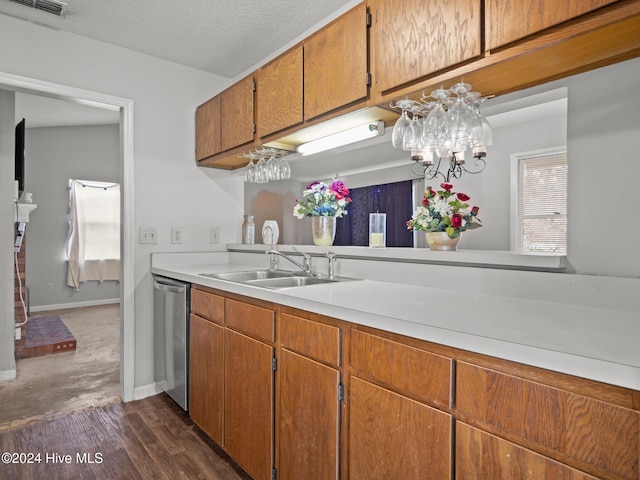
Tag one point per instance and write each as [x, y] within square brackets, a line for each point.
[125, 109]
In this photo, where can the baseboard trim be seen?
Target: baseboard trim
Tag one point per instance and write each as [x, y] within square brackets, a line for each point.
[62, 306]
[7, 375]
[145, 391]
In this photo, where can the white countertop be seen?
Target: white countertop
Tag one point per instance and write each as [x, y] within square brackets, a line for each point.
[598, 344]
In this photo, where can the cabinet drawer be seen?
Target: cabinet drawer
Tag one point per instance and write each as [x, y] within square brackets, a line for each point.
[207, 305]
[255, 321]
[312, 339]
[412, 371]
[482, 455]
[592, 433]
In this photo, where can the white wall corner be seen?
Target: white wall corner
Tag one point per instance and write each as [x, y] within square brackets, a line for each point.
[148, 390]
[7, 375]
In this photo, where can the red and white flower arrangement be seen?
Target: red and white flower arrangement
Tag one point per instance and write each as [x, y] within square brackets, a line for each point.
[444, 211]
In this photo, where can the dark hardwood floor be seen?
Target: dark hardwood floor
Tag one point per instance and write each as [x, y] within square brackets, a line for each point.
[146, 439]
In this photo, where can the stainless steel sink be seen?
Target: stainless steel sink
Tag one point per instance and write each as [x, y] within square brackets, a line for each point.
[250, 275]
[290, 282]
[275, 279]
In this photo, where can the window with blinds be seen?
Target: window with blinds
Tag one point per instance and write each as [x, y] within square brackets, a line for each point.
[541, 202]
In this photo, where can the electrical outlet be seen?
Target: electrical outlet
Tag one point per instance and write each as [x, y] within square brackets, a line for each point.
[176, 235]
[149, 235]
[214, 235]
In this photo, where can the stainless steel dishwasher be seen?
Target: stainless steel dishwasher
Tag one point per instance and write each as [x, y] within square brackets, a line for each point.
[171, 337]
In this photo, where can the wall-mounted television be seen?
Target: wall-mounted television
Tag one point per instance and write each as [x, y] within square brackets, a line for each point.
[20, 155]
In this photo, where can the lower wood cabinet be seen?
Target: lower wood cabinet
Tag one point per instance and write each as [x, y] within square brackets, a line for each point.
[310, 399]
[248, 406]
[392, 436]
[309, 426]
[592, 435]
[231, 378]
[266, 385]
[481, 455]
[206, 377]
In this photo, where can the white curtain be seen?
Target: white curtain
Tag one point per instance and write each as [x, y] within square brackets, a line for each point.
[93, 242]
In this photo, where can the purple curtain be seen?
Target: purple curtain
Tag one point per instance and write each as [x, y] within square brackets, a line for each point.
[394, 199]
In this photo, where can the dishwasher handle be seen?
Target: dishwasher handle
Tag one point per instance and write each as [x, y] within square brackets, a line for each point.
[167, 288]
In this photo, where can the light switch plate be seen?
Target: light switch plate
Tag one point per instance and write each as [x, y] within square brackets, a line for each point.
[149, 235]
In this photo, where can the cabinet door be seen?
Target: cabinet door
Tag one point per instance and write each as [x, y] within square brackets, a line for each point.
[510, 20]
[335, 64]
[206, 377]
[392, 436]
[236, 114]
[279, 93]
[248, 406]
[414, 38]
[481, 455]
[208, 129]
[309, 418]
[592, 433]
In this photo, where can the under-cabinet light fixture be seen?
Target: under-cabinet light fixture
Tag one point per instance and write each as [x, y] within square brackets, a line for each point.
[346, 137]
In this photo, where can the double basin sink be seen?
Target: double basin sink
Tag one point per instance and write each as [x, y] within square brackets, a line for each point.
[275, 279]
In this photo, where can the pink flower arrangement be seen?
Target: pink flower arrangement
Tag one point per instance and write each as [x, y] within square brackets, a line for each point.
[320, 199]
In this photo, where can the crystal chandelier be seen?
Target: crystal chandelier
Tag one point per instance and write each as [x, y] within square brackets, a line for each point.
[444, 128]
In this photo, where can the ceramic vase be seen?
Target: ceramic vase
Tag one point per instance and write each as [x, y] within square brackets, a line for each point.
[270, 232]
[323, 230]
[441, 241]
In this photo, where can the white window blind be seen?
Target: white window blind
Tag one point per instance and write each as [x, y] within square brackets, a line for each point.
[541, 211]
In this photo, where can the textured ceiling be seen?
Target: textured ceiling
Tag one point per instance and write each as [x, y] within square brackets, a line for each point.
[224, 37]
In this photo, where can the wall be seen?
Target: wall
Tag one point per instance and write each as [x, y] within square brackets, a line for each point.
[603, 133]
[169, 190]
[7, 209]
[53, 156]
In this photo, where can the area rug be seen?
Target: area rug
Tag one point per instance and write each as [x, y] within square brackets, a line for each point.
[48, 334]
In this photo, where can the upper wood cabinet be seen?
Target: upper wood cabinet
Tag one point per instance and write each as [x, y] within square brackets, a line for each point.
[413, 38]
[335, 64]
[279, 93]
[236, 114]
[510, 20]
[208, 129]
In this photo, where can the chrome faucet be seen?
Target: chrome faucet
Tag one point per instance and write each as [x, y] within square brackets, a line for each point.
[305, 266]
[332, 263]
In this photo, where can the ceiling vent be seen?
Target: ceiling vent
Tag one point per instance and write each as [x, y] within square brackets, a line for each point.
[51, 6]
